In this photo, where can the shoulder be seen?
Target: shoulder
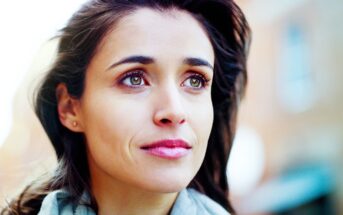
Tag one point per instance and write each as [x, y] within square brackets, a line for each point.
[190, 201]
[59, 202]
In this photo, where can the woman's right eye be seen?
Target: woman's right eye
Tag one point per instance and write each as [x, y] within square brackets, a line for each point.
[133, 79]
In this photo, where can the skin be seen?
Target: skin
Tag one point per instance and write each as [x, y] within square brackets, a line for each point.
[163, 99]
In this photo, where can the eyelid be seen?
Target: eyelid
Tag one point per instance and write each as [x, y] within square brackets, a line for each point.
[138, 71]
[200, 73]
[205, 79]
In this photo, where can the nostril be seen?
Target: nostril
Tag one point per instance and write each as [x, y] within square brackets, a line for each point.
[165, 121]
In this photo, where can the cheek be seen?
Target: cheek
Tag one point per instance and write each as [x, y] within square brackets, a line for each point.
[110, 125]
[107, 119]
[201, 118]
[108, 111]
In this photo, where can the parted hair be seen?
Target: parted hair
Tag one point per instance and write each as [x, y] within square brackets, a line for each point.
[229, 34]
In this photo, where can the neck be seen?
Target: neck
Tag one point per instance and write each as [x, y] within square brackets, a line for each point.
[116, 197]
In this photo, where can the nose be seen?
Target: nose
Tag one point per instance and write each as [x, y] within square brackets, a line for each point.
[169, 108]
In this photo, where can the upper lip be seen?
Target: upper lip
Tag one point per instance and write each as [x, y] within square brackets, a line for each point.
[168, 143]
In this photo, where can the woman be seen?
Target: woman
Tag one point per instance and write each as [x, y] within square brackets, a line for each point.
[140, 107]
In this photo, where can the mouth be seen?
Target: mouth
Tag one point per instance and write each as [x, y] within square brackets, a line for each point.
[169, 149]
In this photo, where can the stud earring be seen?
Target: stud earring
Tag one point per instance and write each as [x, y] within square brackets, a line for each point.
[74, 123]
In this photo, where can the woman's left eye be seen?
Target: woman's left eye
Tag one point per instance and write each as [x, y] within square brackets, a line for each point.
[196, 81]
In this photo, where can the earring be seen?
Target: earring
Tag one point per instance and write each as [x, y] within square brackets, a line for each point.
[74, 123]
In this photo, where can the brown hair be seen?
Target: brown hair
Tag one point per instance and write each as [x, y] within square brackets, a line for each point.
[230, 36]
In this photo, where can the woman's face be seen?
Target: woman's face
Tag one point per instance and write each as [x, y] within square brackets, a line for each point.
[146, 110]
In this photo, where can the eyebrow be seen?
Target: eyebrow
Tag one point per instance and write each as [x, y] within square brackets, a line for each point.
[192, 61]
[133, 59]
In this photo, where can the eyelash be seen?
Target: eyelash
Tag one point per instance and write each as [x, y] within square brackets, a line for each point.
[204, 80]
[140, 73]
[137, 72]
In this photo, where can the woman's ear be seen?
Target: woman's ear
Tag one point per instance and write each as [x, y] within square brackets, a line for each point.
[68, 109]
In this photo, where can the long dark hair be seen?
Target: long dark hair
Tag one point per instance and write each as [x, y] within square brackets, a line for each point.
[229, 34]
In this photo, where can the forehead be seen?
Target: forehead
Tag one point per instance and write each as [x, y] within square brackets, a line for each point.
[148, 31]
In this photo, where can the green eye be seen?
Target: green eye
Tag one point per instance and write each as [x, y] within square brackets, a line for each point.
[195, 81]
[135, 80]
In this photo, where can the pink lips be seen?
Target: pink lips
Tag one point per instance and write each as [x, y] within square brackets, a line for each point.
[170, 149]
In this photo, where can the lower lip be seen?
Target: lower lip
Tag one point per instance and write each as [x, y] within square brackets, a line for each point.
[167, 152]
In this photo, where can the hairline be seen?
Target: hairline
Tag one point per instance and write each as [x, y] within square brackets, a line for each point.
[162, 10]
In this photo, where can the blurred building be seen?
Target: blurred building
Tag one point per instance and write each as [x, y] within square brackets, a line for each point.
[294, 102]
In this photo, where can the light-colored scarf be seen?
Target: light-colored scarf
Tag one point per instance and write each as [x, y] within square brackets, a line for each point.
[189, 202]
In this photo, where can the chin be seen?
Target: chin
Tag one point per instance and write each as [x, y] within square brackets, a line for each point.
[167, 184]
[170, 188]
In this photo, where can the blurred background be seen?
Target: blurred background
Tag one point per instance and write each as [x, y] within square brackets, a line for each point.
[288, 150]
